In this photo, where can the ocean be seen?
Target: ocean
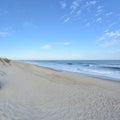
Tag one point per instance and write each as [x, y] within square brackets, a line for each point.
[107, 69]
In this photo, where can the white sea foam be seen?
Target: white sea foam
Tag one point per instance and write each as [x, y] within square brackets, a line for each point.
[102, 69]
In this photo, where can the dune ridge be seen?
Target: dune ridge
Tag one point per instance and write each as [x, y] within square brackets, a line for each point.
[30, 92]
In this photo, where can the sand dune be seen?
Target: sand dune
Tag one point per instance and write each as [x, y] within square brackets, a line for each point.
[28, 92]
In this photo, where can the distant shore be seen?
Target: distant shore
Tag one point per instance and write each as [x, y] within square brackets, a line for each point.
[31, 92]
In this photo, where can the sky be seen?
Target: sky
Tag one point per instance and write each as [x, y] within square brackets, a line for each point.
[60, 29]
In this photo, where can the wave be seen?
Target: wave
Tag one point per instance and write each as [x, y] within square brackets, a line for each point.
[114, 68]
[108, 69]
[70, 63]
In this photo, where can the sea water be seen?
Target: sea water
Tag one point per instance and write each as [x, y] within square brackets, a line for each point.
[108, 69]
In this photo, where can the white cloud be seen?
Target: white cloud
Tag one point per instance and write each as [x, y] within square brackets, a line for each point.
[87, 24]
[88, 4]
[102, 38]
[99, 10]
[63, 4]
[108, 14]
[93, 2]
[110, 38]
[67, 43]
[75, 4]
[99, 7]
[29, 24]
[78, 12]
[110, 35]
[114, 34]
[109, 43]
[4, 34]
[47, 46]
[67, 19]
[63, 43]
[99, 20]
[112, 24]
[77, 8]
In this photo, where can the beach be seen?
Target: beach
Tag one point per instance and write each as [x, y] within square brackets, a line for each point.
[29, 92]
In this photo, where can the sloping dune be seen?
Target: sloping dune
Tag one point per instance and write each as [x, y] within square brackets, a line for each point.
[28, 92]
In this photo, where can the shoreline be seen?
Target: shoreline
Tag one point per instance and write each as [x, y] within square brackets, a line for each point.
[81, 74]
[34, 92]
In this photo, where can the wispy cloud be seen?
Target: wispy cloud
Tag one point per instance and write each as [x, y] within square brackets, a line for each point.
[67, 43]
[99, 10]
[62, 43]
[78, 12]
[93, 2]
[47, 46]
[109, 43]
[3, 34]
[87, 24]
[67, 19]
[110, 38]
[29, 24]
[114, 34]
[109, 13]
[77, 8]
[110, 35]
[99, 20]
[75, 4]
[63, 4]
[89, 12]
[89, 3]
[111, 25]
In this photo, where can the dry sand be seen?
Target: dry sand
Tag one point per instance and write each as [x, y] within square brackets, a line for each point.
[28, 92]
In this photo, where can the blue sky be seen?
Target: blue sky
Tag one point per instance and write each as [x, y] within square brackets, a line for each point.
[60, 29]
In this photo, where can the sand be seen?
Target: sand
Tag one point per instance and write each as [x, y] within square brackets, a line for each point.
[29, 92]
